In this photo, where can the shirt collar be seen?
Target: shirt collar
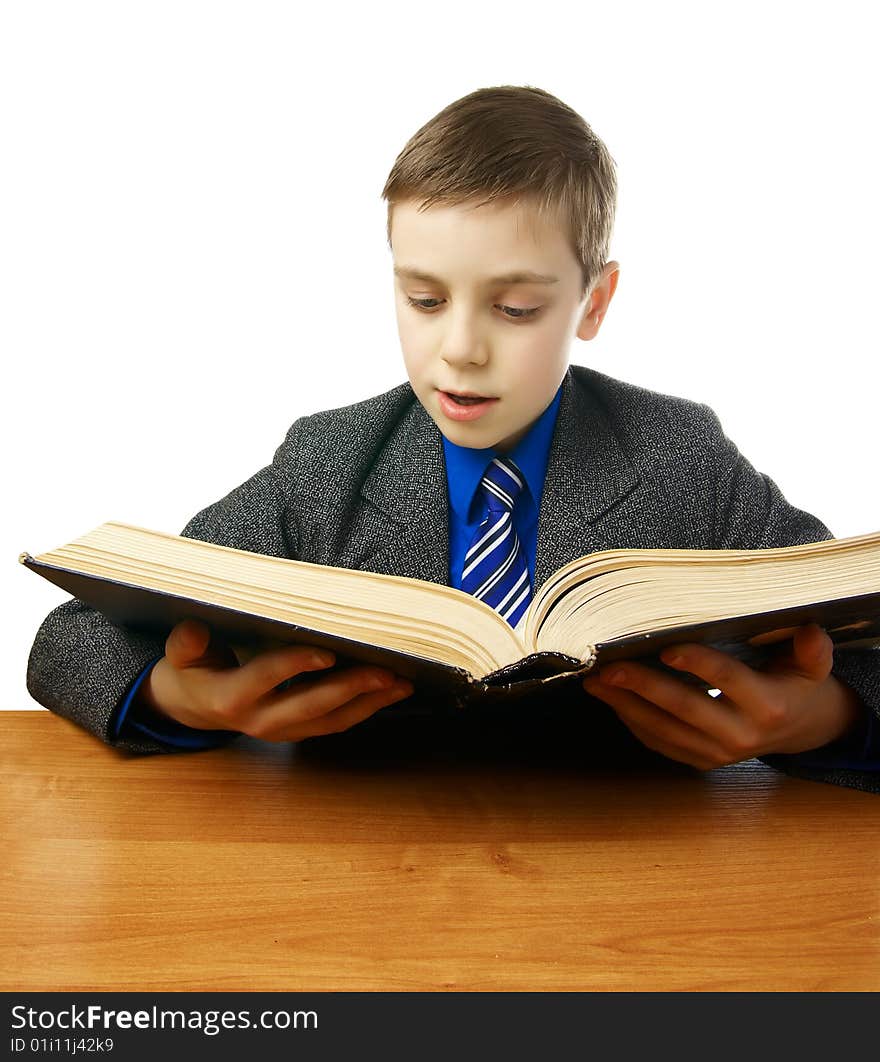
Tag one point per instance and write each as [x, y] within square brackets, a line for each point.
[465, 465]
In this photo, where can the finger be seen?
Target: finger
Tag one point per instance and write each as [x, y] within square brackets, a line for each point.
[261, 674]
[665, 748]
[187, 642]
[743, 688]
[717, 717]
[274, 722]
[322, 695]
[659, 729]
[674, 712]
[811, 654]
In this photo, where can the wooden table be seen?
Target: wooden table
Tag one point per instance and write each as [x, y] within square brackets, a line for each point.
[268, 867]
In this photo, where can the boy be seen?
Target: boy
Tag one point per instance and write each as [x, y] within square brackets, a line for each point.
[496, 464]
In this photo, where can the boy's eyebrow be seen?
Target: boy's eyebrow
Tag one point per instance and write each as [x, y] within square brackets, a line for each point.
[520, 277]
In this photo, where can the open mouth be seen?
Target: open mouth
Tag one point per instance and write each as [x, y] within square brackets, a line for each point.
[466, 400]
[464, 407]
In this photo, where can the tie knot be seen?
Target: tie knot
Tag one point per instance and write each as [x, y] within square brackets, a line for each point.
[502, 482]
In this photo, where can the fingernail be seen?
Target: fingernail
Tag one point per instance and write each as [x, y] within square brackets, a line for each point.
[673, 659]
[322, 659]
[615, 676]
[403, 689]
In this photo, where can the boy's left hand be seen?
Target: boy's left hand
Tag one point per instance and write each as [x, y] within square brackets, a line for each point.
[791, 705]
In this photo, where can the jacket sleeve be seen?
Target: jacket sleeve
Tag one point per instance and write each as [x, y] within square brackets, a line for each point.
[82, 666]
[750, 512]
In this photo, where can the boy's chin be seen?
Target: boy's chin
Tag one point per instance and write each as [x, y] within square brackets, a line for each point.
[475, 439]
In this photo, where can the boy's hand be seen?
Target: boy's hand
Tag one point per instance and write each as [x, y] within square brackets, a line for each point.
[791, 705]
[200, 684]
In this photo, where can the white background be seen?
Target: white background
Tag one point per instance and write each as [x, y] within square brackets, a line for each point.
[193, 253]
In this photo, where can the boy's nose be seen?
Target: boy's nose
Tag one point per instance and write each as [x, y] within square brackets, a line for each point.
[464, 352]
[461, 360]
[463, 342]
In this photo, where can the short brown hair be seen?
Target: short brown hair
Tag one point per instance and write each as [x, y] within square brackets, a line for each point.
[513, 144]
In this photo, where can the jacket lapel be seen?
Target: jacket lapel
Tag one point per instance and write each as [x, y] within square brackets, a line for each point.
[407, 488]
[587, 473]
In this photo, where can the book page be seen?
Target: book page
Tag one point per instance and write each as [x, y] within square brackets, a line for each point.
[425, 619]
[618, 593]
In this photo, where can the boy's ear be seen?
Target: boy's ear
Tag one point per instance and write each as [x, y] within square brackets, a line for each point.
[597, 304]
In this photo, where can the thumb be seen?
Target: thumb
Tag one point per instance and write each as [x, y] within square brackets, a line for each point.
[812, 652]
[187, 642]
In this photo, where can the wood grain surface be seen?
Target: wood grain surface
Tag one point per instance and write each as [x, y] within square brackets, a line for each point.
[267, 867]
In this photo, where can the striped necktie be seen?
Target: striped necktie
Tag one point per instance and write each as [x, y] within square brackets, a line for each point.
[495, 568]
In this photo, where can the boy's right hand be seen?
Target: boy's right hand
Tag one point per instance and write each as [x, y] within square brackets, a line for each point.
[198, 682]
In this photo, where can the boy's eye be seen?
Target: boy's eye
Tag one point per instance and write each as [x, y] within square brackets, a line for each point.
[516, 313]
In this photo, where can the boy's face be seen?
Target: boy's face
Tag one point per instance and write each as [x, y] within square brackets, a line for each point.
[469, 334]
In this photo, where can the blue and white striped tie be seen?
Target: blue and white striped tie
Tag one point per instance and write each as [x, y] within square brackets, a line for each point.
[495, 568]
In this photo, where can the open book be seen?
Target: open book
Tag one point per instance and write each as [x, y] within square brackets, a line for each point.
[606, 606]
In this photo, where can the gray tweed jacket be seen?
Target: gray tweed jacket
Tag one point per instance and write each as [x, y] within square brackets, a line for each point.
[364, 487]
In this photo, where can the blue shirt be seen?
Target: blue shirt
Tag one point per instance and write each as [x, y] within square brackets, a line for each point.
[464, 470]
